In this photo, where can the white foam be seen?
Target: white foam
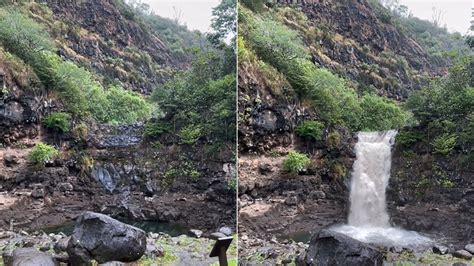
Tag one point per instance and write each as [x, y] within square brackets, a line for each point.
[386, 236]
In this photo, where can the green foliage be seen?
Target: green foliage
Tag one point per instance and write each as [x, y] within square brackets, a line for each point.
[380, 114]
[408, 138]
[224, 20]
[80, 131]
[42, 153]
[81, 94]
[232, 184]
[21, 34]
[153, 130]
[203, 97]
[58, 121]
[444, 144]
[275, 43]
[333, 140]
[254, 5]
[338, 170]
[190, 134]
[295, 162]
[331, 96]
[311, 130]
[444, 108]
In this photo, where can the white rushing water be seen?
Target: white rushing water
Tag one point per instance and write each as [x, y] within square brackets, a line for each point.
[368, 217]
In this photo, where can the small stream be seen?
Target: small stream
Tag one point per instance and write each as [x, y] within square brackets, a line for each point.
[147, 226]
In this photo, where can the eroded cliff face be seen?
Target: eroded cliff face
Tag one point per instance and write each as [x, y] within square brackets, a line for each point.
[359, 43]
[109, 39]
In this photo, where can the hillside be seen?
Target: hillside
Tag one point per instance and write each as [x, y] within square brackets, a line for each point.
[314, 73]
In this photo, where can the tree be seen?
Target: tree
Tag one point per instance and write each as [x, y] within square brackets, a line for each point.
[437, 16]
[224, 22]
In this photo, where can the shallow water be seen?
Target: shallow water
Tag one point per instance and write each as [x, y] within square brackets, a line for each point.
[147, 226]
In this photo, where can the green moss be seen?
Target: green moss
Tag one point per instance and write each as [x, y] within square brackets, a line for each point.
[58, 121]
[310, 130]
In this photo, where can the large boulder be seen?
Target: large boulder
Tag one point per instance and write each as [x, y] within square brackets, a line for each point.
[97, 236]
[30, 257]
[333, 248]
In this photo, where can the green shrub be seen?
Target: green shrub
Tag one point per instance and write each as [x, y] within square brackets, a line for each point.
[310, 130]
[295, 162]
[190, 134]
[58, 121]
[408, 138]
[338, 170]
[444, 144]
[333, 140]
[42, 153]
[80, 131]
[22, 35]
[154, 129]
[379, 113]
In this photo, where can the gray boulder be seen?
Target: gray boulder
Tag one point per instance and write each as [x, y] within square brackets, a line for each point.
[463, 254]
[30, 257]
[470, 248]
[97, 236]
[333, 248]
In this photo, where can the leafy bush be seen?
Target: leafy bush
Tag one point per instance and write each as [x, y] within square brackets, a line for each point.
[80, 131]
[333, 140]
[311, 130]
[190, 134]
[407, 138]
[381, 114]
[22, 35]
[338, 170]
[153, 130]
[275, 43]
[444, 144]
[202, 96]
[58, 121]
[295, 162]
[42, 153]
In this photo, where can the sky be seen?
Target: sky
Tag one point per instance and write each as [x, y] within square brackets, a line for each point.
[457, 13]
[196, 14]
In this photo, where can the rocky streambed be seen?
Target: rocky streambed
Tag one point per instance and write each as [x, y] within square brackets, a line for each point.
[99, 239]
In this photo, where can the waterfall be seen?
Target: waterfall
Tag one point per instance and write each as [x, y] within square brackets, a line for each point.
[368, 219]
[370, 179]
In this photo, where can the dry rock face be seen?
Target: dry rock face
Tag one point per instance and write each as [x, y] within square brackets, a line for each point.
[112, 35]
[359, 44]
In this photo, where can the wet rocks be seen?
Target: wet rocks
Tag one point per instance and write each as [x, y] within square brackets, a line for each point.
[332, 248]
[30, 257]
[97, 236]
[463, 254]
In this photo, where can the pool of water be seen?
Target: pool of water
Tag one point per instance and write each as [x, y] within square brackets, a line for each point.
[301, 236]
[147, 226]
